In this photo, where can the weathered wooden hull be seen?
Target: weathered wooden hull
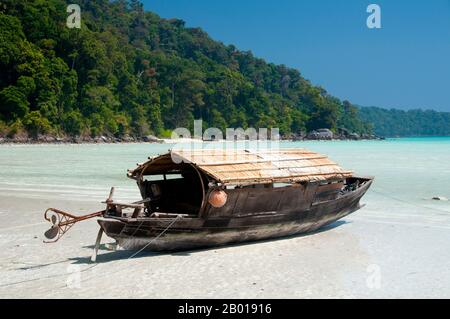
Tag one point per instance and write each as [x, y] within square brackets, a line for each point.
[193, 233]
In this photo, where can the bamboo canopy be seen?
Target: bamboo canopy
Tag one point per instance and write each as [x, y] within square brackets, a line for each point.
[239, 167]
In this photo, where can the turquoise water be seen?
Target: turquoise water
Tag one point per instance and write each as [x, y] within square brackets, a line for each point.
[408, 171]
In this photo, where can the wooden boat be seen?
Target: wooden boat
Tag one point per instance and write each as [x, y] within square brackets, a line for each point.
[203, 198]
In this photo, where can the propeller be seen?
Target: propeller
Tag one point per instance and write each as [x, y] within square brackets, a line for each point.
[62, 221]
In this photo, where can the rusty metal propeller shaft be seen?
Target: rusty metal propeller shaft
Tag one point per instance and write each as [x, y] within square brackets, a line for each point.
[63, 221]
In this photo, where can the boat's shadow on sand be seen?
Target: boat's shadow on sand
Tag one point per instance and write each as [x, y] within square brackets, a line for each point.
[127, 254]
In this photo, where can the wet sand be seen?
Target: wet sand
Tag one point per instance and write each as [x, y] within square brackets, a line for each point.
[369, 254]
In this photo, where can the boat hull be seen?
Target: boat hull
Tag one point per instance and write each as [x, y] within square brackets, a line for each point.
[186, 234]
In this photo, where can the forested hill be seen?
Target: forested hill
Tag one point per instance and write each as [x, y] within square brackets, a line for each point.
[130, 72]
[392, 123]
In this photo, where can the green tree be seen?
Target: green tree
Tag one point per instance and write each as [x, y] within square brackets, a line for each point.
[36, 124]
[73, 123]
[13, 103]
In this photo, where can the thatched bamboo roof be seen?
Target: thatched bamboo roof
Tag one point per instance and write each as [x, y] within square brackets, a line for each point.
[249, 167]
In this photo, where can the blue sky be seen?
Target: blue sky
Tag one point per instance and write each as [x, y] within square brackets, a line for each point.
[405, 64]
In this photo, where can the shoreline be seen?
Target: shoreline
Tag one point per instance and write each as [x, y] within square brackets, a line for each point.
[315, 135]
[97, 141]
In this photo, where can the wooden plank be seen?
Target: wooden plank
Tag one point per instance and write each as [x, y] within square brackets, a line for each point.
[97, 245]
[261, 161]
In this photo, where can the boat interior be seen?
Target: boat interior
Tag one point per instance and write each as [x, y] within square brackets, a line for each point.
[179, 189]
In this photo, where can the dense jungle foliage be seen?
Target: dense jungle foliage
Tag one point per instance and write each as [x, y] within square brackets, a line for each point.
[127, 71]
[398, 123]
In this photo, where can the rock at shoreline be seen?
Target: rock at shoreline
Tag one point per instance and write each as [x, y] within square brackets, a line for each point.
[128, 139]
[341, 134]
[440, 198]
[321, 134]
[152, 139]
[354, 136]
[294, 137]
[45, 139]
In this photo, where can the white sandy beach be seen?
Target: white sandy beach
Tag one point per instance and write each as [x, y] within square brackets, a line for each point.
[389, 249]
[341, 262]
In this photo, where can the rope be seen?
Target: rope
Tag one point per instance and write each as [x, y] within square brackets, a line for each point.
[157, 237]
[44, 277]
[142, 249]
[407, 202]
